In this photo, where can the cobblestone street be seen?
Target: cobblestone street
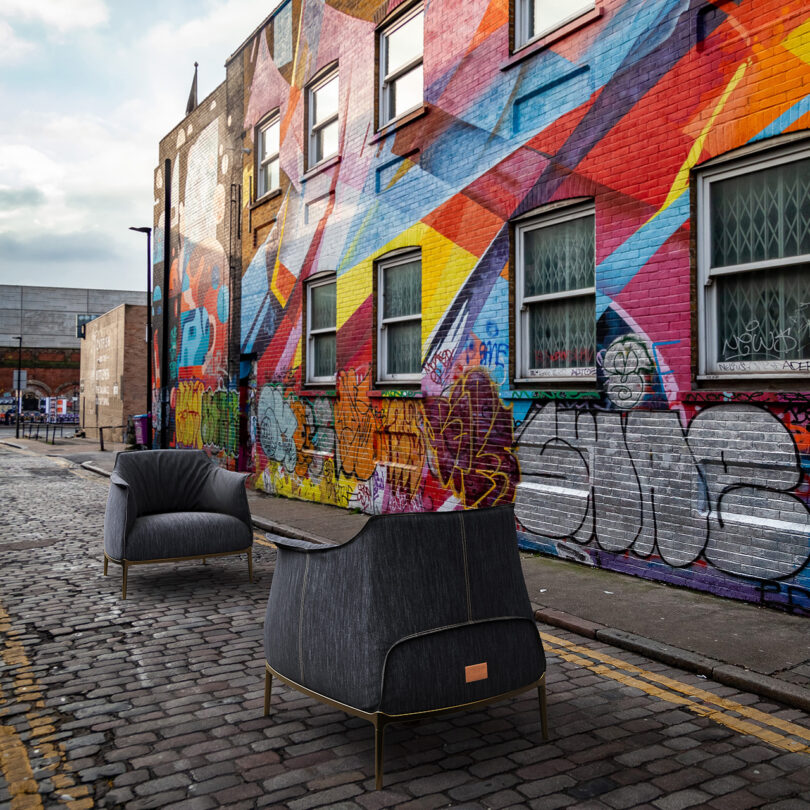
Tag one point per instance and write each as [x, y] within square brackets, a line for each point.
[156, 701]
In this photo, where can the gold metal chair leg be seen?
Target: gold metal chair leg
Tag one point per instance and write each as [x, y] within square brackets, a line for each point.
[268, 685]
[105, 565]
[124, 583]
[250, 564]
[205, 562]
[379, 734]
[541, 692]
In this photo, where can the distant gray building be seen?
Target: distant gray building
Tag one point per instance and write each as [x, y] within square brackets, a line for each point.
[46, 317]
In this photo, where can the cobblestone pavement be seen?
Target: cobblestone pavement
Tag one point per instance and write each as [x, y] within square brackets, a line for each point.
[157, 701]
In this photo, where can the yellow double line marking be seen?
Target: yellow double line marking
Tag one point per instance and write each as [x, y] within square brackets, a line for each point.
[15, 763]
[746, 720]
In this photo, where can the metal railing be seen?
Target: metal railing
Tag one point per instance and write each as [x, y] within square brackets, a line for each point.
[50, 428]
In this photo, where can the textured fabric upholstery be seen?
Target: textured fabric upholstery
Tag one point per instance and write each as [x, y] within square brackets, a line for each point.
[508, 647]
[120, 516]
[174, 503]
[389, 621]
[186, 534]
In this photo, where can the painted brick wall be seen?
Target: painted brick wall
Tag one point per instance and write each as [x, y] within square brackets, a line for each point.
[203, 278]
[649, 467]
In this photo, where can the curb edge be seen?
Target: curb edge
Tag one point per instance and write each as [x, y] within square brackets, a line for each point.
[746, 680]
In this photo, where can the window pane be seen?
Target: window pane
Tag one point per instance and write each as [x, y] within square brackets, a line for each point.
[406, 92]
[325, 101]
[402, 290]
[761, 215]
[324, 348]
[269, 141]
[764, 315]
[323, 309]
[546, 14]
[404, 347]
[326, 141]
[562, 334]
[559, 257]
[269, 177]
[404, 43]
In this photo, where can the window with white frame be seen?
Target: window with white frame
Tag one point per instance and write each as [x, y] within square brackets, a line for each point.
[555, 327]
[321, 330]
[754, 264]
[399, 318]
[536, 18]
[268, 156]
[322, 116]
[400, 70]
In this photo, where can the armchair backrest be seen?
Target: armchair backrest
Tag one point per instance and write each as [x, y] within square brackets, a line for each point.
[166, 480]
[463, 565]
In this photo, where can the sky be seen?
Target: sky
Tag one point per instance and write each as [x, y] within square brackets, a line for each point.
[87, 90]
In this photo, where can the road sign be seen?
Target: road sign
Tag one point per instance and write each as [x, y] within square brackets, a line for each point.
[22, 383]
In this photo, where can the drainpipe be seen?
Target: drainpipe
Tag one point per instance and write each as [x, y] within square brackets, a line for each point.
[164, 352]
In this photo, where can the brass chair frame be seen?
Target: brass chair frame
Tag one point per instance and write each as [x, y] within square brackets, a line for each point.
[125, 564]
[380, 719]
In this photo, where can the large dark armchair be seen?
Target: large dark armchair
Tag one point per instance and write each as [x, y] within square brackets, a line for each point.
[416, 615]
[170, 505]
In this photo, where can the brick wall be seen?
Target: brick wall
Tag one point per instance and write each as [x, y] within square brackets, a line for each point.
[645, 458]
[51, 372]
[113, 371]
[203, 282]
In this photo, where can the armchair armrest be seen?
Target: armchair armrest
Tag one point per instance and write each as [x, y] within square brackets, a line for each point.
[225, 493]
[121, 513]
[293, 544]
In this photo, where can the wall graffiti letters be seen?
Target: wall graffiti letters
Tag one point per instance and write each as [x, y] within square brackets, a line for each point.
[628, 366]
[472, 438]
[641, 483]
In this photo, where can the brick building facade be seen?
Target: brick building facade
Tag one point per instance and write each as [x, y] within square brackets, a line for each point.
[113, 371]
[446, 255]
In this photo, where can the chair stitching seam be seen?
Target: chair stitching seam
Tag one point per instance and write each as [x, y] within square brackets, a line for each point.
[301, 621]
[466, 567]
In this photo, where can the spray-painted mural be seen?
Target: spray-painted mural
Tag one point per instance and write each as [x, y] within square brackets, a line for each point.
[647, 463]
[202, 388]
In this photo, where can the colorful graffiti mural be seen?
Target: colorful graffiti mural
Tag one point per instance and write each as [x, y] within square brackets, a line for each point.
[639, 464]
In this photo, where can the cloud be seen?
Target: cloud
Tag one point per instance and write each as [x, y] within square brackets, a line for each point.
[54, 248]
[56, 13]
[12, 48]
[28, 197]
[77, 158]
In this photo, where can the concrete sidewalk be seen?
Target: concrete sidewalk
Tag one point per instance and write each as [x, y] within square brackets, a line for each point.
[754, 649]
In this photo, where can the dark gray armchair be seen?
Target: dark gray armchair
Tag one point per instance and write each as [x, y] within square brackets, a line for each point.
[171, 505]
[418, 614]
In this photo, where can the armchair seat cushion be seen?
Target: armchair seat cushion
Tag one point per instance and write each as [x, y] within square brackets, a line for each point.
[186, 534]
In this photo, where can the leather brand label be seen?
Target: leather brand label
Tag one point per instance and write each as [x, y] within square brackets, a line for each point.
[476, 672]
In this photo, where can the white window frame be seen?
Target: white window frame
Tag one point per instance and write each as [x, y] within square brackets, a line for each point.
[321, 281]
[314, 130]
[264, 160]
[709, 367]
[386, 115]
[393, 260]
[523, 371]
[524, 11]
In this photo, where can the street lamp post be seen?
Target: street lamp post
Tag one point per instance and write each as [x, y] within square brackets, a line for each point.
[19, 385]
[148, 232]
